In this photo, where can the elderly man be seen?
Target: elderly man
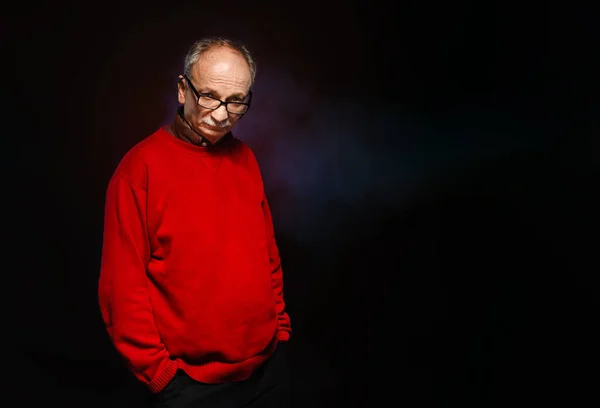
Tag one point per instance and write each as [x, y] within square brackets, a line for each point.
[191, 286]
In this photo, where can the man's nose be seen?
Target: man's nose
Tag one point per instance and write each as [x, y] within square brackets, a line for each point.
[220, 114]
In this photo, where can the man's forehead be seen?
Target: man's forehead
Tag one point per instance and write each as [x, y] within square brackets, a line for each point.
[223, 67]
[221, 71]
[225, 76]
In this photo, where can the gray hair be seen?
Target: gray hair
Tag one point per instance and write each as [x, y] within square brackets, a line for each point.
[206, 44]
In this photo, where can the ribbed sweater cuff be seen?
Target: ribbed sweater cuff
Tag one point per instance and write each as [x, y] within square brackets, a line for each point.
[163, 378]
[283, 336]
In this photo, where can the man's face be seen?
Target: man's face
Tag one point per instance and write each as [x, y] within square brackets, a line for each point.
[221, 73]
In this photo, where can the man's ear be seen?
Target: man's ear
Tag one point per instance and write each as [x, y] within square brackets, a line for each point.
[181, 87]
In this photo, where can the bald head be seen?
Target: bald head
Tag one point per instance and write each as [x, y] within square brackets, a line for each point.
[224, 70]
[202, 47]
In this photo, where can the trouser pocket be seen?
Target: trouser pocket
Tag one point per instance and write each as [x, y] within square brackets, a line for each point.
[173, 388]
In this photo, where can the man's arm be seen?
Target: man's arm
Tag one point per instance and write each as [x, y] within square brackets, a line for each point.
[123, 287]
[283, 326]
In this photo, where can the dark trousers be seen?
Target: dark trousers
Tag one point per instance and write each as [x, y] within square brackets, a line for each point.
[268, 387]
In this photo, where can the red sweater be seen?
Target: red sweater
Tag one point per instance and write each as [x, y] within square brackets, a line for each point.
[190, 276]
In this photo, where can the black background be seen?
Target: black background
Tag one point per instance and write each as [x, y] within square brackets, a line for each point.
[432, 170]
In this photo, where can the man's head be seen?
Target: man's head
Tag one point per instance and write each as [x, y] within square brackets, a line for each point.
[216, 69]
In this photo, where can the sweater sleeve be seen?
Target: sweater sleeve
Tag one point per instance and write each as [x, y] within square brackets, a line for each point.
[122, 287]
[283, 320]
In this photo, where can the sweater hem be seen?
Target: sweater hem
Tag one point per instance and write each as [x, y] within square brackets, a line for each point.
[217, 372]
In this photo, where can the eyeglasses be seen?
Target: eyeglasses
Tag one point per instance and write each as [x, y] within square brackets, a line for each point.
[210, 102]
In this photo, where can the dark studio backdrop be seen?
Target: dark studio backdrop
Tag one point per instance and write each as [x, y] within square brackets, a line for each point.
[432, 172]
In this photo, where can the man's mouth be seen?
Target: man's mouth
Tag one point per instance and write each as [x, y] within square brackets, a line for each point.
[213, 127]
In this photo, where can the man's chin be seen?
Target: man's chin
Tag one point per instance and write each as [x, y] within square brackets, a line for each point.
[213, 134]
